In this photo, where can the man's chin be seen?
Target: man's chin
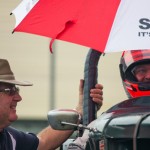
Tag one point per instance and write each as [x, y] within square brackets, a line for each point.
[13, 118]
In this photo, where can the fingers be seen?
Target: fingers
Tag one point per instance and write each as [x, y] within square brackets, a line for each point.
[99, 86]
[97, 94]
[97, 98]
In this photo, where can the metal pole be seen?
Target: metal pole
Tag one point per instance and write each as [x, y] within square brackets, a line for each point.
[52, 77]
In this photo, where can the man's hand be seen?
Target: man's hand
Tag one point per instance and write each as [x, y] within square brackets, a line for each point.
[96, 94]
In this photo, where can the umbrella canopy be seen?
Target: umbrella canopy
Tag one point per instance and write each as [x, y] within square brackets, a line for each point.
[104, 25]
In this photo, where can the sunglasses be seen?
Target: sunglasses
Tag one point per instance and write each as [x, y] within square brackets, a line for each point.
[10, 91]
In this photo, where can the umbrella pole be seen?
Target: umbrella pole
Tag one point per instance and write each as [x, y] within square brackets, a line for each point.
[52, 79]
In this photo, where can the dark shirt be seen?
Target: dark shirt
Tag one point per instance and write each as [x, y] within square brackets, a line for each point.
[12, 139]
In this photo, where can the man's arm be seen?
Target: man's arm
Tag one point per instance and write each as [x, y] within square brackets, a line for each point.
[50, 139]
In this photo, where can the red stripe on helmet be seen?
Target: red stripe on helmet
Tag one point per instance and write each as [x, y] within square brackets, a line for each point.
[135, 55]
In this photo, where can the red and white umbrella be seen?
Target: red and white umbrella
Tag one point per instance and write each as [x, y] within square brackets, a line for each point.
[104, 25]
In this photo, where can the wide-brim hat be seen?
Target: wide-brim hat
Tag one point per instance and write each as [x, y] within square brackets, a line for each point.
[7, 76]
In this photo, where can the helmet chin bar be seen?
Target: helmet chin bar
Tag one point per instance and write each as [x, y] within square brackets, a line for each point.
[137, 89]
[144, 86]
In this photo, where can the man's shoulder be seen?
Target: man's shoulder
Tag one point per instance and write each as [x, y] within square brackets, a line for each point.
[15, 133]
[22, 139]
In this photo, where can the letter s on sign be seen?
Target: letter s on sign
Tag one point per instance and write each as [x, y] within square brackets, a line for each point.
[145, 23]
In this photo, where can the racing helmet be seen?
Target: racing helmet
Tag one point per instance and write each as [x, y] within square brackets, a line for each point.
[128, 61]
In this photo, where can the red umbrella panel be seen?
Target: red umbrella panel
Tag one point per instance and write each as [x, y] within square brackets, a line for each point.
[104, 25]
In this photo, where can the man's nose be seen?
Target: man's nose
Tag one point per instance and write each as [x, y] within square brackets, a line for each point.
[17, 97]
[147, 76]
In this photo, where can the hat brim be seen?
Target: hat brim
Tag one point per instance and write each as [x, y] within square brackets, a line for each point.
[15, 82]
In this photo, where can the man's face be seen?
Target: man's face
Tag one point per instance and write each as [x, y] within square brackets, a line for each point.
[9, 97]
[142, 73]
